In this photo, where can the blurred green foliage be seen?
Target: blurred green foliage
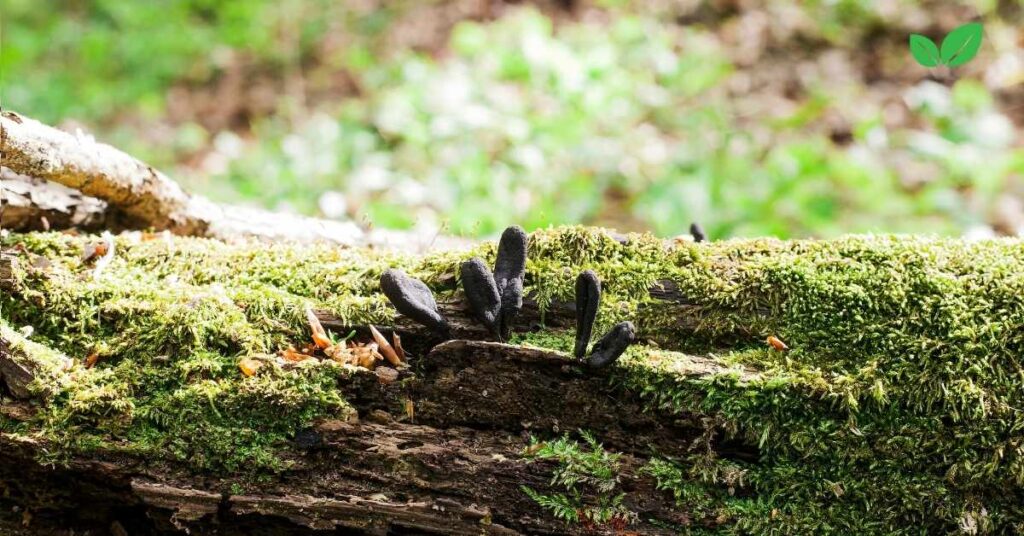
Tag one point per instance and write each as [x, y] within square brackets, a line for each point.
[626, 120]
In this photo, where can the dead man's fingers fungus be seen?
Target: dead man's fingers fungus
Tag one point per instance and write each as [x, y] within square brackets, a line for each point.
[413, 298]
[588, 298]
[608, 349]
[482, 293]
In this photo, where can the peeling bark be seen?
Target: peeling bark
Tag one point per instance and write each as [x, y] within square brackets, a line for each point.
[28, 204]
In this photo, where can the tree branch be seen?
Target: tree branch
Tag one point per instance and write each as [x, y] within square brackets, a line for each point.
[141, 197]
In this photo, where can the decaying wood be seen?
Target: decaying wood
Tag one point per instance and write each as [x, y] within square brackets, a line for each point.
[8, 262]
[455, 468]
[16, 373]
[441, 451]
[144, 196]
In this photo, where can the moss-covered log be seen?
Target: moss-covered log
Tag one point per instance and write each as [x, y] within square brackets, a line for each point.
[897, 408]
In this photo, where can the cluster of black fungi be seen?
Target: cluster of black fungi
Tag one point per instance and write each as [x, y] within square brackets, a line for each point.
[496, 298]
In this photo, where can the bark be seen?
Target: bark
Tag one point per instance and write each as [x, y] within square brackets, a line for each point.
[451, 464]
[14, 372]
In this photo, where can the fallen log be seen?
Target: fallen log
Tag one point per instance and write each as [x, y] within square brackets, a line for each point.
[378, 476]
[894, 406]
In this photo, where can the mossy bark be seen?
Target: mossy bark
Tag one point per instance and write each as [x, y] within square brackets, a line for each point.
[896, 409]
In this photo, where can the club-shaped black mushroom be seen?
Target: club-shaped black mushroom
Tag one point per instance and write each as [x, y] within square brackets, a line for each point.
[588, 298]
[482, 293]
[509, 272]
[611, 346]
[697, 232]
[413, 298]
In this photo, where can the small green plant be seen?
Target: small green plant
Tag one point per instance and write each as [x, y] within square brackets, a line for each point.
[701, 483]
[584, 472]
[958, 48]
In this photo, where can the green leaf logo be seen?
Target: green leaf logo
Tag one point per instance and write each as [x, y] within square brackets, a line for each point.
[958, 48]
[962, 44]
[924, 50]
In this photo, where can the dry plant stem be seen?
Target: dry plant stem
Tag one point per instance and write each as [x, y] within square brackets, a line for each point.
[385, 347]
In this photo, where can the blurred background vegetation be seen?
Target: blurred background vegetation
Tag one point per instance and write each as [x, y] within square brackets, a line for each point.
[754, 117]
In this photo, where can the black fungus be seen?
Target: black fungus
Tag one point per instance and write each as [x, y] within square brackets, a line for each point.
[697, 232]
[612, 345]
[509, 272]
[588, 298]
[482, 293]
[413, 298]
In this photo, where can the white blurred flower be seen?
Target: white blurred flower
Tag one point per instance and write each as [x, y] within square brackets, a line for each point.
[1006, 71]
[410, 192]
[979, 232]
[395, 114]
[535, 48]
[522, 200]
[370, 176]
[877, 137]
[665, 62]
[930, 95]
[516, 128]
[449, 93]
[930, 144]
[529, 156]
[570, 71]
[653, 95]
[215, 163]
[443, 126]
[294, 147]
[476, 116]
[325, 130]
[228, 144]
[992, 130]
[333, 204]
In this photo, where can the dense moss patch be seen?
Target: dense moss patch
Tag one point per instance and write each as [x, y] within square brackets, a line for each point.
[897, 409]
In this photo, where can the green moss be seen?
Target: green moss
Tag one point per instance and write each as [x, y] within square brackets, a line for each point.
[898, 408]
